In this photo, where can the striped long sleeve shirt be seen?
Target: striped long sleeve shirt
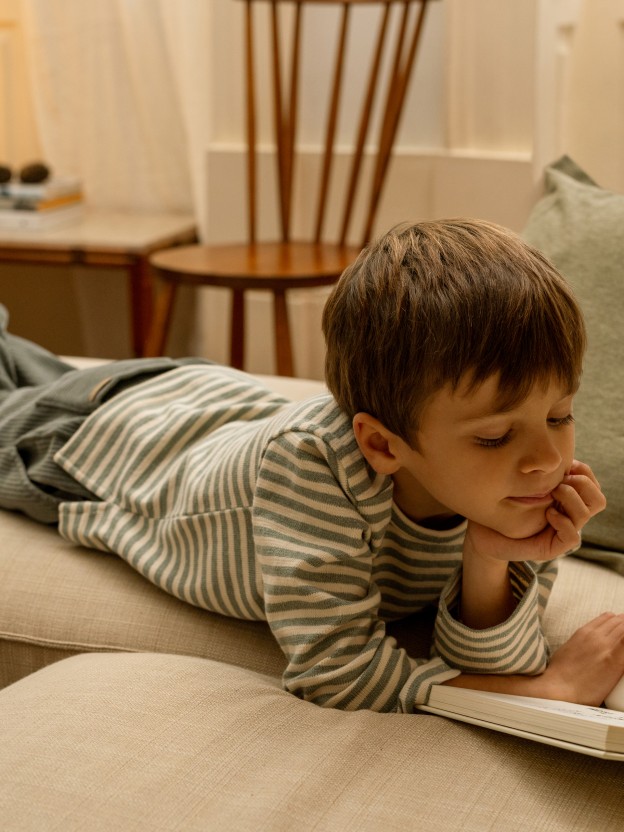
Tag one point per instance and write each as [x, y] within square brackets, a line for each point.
[233, 499]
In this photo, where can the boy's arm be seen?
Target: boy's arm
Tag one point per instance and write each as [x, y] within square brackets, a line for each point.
[487, 598]
[583, 670]
[321, 602]
[514, 645]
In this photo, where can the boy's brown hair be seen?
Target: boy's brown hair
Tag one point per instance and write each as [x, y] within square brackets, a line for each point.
[433, 302]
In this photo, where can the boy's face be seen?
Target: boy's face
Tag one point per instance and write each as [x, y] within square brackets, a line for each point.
[494, 467]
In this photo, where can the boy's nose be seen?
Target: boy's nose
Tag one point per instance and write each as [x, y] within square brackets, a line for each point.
[541, 454]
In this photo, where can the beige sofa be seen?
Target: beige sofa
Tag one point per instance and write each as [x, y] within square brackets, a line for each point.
[125, 709]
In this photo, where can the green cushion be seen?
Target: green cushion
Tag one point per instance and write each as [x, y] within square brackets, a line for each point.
[580, 227]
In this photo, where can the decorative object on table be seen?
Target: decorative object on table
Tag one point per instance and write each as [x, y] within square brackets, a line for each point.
[35, 173]
[34, 199]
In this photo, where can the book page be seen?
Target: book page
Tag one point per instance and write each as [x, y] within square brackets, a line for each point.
[591, 730]
[556, 706]
[447, 696]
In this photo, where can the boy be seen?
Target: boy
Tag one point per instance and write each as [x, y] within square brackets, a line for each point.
[441, 471]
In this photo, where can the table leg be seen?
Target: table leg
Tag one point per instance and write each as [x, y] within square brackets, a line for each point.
[237, 329]
[141, 303]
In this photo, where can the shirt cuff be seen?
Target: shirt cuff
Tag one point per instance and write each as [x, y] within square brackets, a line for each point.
[516, 645]
[418, 689]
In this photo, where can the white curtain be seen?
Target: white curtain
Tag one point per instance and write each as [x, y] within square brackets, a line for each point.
[594, 120]
[118, 86]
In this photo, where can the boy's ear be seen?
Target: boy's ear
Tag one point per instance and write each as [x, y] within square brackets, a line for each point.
[379, 446]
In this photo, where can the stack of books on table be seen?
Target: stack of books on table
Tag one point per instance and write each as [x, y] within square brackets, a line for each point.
[29, 206]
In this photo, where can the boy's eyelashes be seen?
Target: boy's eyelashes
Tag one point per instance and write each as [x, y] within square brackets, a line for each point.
[562, 420]
[499, 441]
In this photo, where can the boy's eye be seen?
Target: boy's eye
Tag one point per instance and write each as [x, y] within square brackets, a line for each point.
[564, 420]
[498, 442]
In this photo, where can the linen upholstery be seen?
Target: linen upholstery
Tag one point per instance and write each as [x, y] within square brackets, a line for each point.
[580, 227]
[57, 599]
[149, 741]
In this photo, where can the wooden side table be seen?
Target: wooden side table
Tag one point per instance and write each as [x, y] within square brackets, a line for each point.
[106, 239]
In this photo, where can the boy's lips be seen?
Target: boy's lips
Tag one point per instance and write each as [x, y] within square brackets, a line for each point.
[533, 499]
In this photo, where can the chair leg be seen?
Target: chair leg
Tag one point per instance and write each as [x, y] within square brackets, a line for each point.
[283, 344]
[237, 331]
[156, 341]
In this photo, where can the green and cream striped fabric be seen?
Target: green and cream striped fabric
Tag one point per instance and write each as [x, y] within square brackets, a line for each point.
[225, 495]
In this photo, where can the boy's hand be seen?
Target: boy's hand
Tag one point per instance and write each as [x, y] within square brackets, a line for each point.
[577, 499]
[590, 664]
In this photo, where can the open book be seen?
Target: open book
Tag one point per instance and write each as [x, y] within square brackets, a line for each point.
[598, 732]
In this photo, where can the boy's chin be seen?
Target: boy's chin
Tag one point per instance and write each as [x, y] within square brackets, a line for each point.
[529, 527]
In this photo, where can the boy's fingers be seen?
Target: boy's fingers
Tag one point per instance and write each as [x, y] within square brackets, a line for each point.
[585, 490]
[572, 504]
[609, 626]
[567, 533]
[612, 630]
[618, 625]
[609, 621]
[584, 470]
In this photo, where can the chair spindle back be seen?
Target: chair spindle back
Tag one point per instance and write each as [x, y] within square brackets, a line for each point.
[407, 36]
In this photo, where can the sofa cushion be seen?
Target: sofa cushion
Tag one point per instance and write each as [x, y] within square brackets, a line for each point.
[57, 600]
[580, 227]
[148, 742]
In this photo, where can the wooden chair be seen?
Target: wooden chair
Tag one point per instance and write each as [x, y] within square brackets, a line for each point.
[296, 263]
